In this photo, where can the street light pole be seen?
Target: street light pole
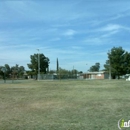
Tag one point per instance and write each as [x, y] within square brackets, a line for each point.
[73, 72]
[86, 72]
[109, 67]
[38, 65]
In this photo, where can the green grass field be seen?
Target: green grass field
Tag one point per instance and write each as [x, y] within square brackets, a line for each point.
[64, 105]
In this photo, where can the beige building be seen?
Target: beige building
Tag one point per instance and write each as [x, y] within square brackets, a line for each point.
[95, 75]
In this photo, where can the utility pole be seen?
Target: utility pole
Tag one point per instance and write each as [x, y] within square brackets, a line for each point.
[38, 65]
[73, 72]
[86, 72]
[57, 66]
[109, 66]
[109, 69]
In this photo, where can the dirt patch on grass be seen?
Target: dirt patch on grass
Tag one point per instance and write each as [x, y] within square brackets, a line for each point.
[47, 105]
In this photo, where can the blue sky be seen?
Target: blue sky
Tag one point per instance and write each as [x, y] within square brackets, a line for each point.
[77, 32]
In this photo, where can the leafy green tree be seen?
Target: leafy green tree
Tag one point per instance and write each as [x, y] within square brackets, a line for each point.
[127, 62]
[17, 70]
[21, 70]
[95, 67]
[52, 71]
[80, 72]
[1, 72]
[8, 69]
[44, 63]
[14, 70]
[67, 73]
[107, 65]
[63, 71]
[118, 61]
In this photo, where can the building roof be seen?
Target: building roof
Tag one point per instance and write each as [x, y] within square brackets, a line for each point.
[100, 72]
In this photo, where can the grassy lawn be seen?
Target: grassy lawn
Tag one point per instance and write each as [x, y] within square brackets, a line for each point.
[64, 105]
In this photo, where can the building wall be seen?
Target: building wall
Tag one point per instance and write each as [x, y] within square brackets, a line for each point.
[101, 76]
[96, 76]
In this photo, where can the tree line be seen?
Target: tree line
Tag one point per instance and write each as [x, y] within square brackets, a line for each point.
[44, 67]
[7, 71]
[118, 63]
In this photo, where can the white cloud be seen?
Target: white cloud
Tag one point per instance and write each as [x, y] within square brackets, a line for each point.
[55, 39]
[110, 33]
[69, 32]
[58, 29]
[95, 41]
[111, 18]
[106, 31]
[77, 47]
[111, 27]
[39, 11]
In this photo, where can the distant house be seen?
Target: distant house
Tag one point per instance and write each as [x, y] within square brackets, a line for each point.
[95, 75]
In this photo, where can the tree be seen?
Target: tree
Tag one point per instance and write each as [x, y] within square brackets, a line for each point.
[95, 67]
[118, 61]
[17, 71]
[127, 62]
[52, 71]
[14, 70]
[1, 72]
[8, 69]
[44, 63]
[63, 71]
[80, 72]
[21, 70]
